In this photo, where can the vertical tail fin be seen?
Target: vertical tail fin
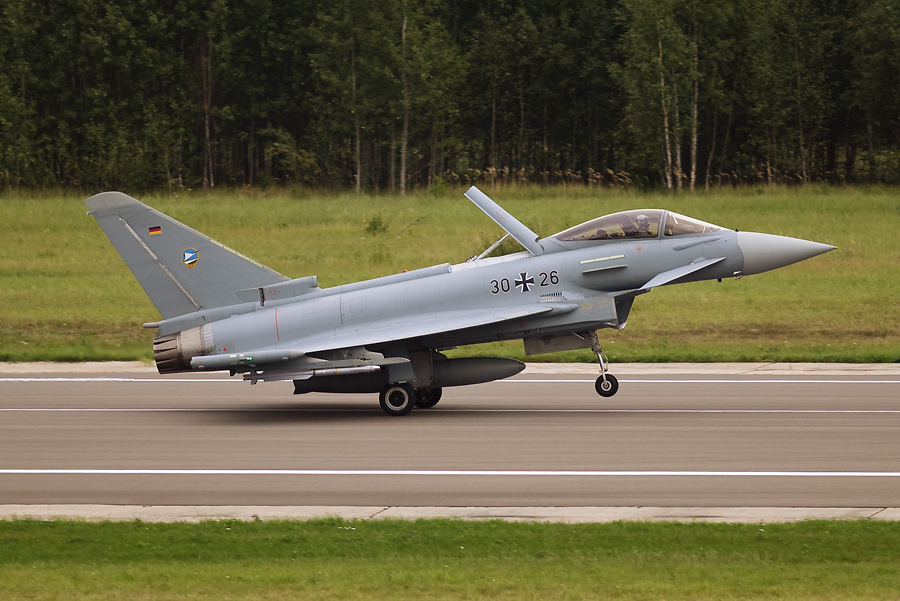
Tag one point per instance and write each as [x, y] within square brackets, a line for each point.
[180, 269]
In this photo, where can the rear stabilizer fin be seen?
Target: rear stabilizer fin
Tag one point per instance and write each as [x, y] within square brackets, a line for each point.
[180, 269]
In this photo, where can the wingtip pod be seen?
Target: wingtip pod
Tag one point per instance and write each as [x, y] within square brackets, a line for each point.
[765, 252]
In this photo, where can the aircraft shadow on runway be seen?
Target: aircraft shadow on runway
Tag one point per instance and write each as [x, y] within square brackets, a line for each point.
[351, 413]
[344, 413]
[279, 414]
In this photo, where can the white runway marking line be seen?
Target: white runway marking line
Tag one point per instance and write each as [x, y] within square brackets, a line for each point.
[506, 381]
[438, 410]
[728, 381]
[169, 380]
[489, 473]
[509, 381]
[864, 411]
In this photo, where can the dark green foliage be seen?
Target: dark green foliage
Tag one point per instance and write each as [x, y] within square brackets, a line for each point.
[376, 225]
[386, 94]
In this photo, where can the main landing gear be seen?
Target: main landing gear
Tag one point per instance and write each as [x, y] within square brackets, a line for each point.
[607, 384]
[426, 398]
[399, 399]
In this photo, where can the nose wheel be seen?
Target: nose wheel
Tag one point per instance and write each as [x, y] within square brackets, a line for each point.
[607, 384]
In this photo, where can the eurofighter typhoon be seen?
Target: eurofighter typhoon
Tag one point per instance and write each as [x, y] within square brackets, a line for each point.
[224, 311]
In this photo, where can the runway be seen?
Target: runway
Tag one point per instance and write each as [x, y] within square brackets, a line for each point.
[674, 436]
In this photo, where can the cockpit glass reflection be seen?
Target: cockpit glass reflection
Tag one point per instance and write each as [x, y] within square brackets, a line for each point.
[639, 223]
[679, 225]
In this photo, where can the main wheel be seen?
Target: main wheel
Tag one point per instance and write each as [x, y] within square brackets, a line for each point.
[607, 387]
[397, 399]
[426, 398]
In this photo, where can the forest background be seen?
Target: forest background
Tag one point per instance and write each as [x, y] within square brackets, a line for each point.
[386, 95]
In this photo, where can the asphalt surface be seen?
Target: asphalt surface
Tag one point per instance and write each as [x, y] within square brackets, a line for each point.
[675, 437]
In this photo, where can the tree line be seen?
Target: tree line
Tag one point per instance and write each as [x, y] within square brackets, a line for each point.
[391, 94]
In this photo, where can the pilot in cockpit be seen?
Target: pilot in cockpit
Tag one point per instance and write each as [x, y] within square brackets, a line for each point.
[643, 226]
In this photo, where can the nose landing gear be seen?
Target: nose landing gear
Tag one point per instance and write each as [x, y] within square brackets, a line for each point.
[607, 384]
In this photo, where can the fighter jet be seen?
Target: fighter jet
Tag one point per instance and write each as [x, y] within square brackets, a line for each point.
[223, 311]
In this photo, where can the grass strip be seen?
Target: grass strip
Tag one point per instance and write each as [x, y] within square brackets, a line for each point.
[66, 295]
[448, 559]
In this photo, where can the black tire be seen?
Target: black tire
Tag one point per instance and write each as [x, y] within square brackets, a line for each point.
[426, 398]
[397, 399]
[607, 388]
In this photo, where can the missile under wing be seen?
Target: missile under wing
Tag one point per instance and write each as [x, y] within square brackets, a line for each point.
[222, 310]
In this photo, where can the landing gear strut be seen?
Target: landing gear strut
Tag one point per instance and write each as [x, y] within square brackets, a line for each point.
[607, 384]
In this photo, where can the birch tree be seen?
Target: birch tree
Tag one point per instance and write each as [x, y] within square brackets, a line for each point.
[787, 50]
[657, 64]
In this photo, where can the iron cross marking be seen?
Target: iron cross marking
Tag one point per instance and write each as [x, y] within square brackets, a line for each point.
[524, 282]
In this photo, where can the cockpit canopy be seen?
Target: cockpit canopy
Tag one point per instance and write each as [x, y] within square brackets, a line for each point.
[638, 223]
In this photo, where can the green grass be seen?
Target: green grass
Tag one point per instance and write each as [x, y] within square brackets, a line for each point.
[448, 559]
[67, 296]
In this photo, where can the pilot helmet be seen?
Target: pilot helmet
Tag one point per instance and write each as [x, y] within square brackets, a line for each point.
[643, 221]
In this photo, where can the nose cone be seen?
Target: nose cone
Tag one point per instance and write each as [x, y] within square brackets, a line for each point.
[764, 252]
